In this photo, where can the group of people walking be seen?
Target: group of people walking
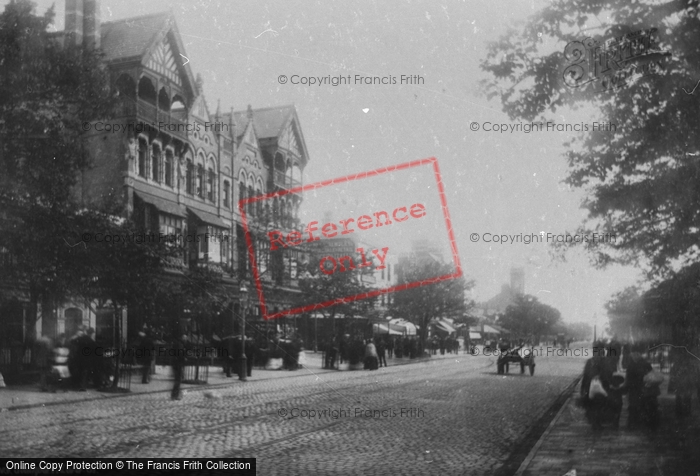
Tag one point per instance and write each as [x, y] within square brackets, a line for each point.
[444, 344]
[70, 362]
[616, 371]
[357, 350]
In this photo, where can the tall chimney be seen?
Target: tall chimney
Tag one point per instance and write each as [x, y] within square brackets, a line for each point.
[91, 24]
[74, 22]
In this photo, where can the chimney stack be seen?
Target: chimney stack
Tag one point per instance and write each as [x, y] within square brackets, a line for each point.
[83, 23]
[91, 24]
[74, 22]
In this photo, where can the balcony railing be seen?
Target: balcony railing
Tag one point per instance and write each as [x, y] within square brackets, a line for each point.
[284, 181]
[142, 111]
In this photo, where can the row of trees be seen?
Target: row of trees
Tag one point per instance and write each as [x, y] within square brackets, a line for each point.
[642, 180]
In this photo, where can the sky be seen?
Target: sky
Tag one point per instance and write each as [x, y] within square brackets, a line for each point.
[495, 183]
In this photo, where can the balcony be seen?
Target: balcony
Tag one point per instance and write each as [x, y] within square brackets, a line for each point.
[140, 111]
[283, 181]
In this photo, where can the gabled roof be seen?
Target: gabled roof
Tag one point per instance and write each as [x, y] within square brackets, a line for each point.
[133, 37]
[270, 122]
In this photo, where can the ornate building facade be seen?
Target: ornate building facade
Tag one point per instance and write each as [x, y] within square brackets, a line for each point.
[177, 168]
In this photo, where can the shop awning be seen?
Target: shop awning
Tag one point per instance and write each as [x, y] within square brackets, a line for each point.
[162, 205]
[490, 330]
[474, 335]
[445, 326]
[209, 218]
[388, 329]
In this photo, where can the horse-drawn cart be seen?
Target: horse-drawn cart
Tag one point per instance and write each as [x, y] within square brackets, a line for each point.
[521, 355]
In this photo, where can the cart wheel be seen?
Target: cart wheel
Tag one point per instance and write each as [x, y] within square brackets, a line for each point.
[532, 369]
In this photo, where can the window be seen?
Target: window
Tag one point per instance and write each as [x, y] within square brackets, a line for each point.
[143, 153]
[170, 224]
[155, 163]
[200, 181]
[259, 206]
[169, 167]
[210, 241]
[224, 243]
[251, 206]
[227, 192]
[189, 179]
[210, 185]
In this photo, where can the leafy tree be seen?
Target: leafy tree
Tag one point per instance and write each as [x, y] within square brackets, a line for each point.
[579, 330]
[46, 93]
[625, 310]
[528, 317]
[317, 287]
[642, 179]
[423, 303]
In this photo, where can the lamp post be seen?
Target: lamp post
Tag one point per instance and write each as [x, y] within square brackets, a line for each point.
[243, 298]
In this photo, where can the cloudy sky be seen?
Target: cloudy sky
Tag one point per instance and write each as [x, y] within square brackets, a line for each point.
[498, 183]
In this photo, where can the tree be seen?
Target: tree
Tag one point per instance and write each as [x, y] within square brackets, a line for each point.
[579, 331]
[641, 179]
[421, 304]
[317, 287]
[47, 92]
[527, 317]
[625, 310]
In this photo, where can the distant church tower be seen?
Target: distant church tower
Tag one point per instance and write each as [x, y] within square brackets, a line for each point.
[517, 281]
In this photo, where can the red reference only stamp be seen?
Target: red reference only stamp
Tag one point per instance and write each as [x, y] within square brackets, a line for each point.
[398, 204]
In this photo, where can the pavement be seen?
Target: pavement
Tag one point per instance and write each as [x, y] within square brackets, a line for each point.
[569, 447]
[17, 397]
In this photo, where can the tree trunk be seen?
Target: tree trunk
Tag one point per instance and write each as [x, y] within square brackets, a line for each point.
[117, 344]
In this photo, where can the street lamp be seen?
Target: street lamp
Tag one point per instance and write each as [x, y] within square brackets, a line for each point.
[243, 299]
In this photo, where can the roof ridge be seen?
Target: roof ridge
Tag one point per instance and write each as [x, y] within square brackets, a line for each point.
[265, 108]
[147, 15]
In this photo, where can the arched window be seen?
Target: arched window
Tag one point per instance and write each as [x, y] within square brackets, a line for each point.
[227, 193]
[143, 156]
[251, 206]
[155, 163]
[189, 177]
[200, 181]
[178, 104]
[147, 91]
[210, 184]
[163, 100]
[259, 203]
[169, 167]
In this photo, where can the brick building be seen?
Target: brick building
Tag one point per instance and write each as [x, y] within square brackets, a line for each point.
[179, 168]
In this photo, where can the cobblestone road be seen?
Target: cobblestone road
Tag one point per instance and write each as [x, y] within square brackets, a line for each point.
[445, 416]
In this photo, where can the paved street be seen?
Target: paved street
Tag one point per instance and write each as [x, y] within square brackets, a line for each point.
[443, 416]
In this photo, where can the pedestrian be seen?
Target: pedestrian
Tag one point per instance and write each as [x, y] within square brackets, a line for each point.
[381, 351]
[43, 351]
[637, 368]
[84, 348]
[178, 364]
[371, 360]
[390, 347]
[59, 371]
[251, 351]
[398, 348]
[600, 394]
[683, 380]
[75, 357]
[146, 354]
